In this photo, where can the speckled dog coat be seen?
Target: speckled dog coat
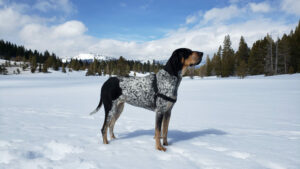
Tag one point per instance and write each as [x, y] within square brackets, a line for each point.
[139, 91]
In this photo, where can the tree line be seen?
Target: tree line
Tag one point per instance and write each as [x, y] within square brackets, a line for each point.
[34, 60]
[266, 56]
[41, 62]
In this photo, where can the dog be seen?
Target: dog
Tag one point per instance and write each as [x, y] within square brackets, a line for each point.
[155, 92]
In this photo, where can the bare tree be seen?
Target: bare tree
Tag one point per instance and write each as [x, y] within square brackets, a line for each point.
[276, 58]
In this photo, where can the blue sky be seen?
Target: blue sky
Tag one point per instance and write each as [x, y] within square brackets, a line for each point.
[141, 28]
[137, 19]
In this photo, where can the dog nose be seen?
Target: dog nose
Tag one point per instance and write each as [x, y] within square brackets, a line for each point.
[200, 54]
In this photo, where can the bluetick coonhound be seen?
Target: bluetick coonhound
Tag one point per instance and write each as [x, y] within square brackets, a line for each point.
[156, 92]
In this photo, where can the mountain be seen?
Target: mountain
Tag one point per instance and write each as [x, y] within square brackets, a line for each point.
[89, 57]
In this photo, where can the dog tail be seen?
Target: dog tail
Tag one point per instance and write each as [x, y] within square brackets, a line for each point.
[98, 107]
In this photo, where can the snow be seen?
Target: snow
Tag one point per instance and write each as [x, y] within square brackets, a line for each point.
[216, 123]
[88, 57]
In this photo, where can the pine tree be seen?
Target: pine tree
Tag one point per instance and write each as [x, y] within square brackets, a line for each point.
[227, 58]
[122, 67]
[40, 67]
[90, 70]
[217, 63]
[33, 63]
[294, 43]
[209, 66]
[242, 69]
[202, 71]
[269, 60]
[64, 68]
[243, 51]
[283, 54]
[45, 68]
[257, 57]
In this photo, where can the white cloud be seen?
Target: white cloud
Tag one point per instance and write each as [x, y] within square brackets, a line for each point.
[67, 39]
[260, 7]
[12, 21]
[59, 5]
[191, 19]
[222, 14]
[291, 7]
[69, 29]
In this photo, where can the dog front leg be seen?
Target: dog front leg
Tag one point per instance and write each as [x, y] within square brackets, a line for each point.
[166, 120]
[158, 123]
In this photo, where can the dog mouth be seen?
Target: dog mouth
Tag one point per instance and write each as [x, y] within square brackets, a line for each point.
[197, 63]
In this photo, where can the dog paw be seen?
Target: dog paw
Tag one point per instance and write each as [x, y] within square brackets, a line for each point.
[161, 148]
[165, 143]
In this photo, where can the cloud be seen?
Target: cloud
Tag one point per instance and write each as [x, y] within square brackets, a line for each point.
[191, 19]
[260, 7]
[69, 38]
[291, 7]
[222, 14]
[57, 5]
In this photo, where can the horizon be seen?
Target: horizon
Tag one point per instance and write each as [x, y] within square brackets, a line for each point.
[140, 30]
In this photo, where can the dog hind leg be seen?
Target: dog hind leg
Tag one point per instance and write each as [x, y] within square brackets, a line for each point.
[116, 114]
[107, 107]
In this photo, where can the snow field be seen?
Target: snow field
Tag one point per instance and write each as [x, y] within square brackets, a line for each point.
[216, 123]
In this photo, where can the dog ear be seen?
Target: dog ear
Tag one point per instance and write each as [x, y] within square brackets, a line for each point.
[174, 64]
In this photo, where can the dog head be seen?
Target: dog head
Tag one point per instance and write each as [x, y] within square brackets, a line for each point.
[181, 59]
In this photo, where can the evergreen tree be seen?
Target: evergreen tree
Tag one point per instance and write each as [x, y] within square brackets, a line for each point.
[256, 57]
[64, 68]
[243, 51]
[283, 54]
[242, 69]
[269, 57]
[33, 63]
[40, 67]
[294, 43]
[122, 67]
[209, 66]
[202, 71]
[45, 68]
[90, 70]
[227, 58]
[217, 62]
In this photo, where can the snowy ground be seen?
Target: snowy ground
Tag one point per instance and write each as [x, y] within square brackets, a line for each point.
[216, 123]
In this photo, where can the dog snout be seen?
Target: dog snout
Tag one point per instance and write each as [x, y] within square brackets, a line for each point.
[200, 54]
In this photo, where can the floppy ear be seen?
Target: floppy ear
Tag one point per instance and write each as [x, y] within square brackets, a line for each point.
[174, 64]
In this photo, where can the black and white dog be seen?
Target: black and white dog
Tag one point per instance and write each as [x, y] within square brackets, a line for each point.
[156, 92]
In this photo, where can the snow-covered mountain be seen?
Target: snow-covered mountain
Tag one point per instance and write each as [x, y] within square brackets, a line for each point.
[89, 57]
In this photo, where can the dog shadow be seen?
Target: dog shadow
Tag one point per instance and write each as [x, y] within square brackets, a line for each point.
[174, 135]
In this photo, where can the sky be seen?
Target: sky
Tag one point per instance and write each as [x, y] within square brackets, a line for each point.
[142, 29]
